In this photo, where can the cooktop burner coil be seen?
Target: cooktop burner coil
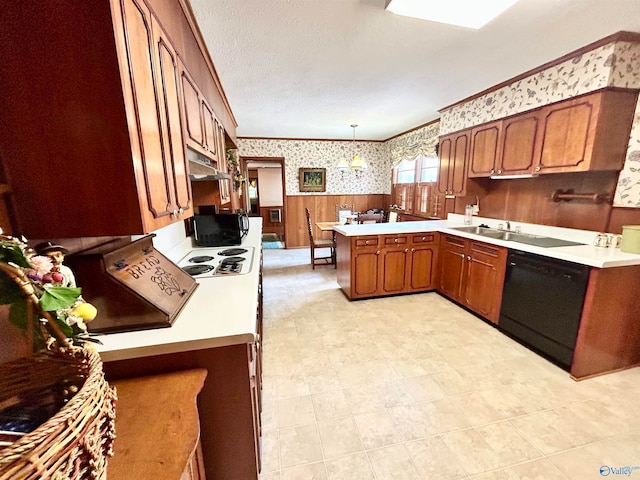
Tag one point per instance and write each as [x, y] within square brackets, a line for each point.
[233, 259]
[232, 251]
[201, 259]
[197, 269]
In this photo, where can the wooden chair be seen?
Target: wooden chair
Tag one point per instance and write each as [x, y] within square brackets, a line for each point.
[370, 217]
[342, 211]
[313, 244]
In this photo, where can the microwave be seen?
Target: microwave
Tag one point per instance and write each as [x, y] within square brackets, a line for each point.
[220, 229]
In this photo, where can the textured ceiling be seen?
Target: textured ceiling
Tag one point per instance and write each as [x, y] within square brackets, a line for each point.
[310, 68]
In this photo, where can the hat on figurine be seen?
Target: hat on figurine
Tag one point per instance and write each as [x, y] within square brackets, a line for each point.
[48, 247]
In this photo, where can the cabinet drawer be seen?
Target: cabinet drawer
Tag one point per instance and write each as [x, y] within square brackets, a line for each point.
[453, 241]
[366, 241]
[491, 250]
[396, 240]
[424, 238]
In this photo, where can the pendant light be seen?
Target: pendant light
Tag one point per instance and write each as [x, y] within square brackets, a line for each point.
[357, 165]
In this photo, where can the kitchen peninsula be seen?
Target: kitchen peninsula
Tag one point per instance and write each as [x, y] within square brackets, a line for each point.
[397, 258]
[218, 330]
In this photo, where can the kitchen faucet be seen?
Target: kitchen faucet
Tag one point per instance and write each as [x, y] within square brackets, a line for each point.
[508, 226]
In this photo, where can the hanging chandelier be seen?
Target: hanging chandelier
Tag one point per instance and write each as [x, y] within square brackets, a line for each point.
[357, 164]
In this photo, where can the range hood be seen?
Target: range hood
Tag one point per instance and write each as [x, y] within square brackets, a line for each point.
[200, 168]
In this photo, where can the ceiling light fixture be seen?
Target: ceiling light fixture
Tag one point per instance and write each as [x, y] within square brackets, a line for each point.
[464, 13]
[358, 165]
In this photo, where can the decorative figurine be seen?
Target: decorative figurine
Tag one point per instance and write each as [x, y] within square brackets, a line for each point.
[60, 274]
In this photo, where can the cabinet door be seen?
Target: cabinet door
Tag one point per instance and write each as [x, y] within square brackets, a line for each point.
[458, 167]
[175, 159]
[519, 144]
[453, 163]
[365, 272]
[452, 261]
[422, 267]
[485, 270]
[222, 152]
[568, 131]
[157, 185]
[445, 151]
[483, 159]
[192, 113]
[394, 269]
[210, 133]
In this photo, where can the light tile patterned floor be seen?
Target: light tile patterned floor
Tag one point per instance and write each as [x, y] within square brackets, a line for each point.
[414, 387]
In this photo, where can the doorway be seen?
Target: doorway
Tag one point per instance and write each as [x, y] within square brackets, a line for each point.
[264, 194]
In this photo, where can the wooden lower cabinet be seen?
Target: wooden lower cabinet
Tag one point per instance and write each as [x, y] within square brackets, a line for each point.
[472, 274]
[376, 265]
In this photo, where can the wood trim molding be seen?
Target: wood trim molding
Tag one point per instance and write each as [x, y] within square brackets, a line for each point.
[431, 122]
[188, 12]
[311, 139]
[616, 37]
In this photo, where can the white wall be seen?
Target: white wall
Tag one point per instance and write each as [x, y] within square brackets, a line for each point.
[270, 187]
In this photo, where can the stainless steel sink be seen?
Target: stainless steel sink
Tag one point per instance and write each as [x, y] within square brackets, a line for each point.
[484, 231]
[529, 239]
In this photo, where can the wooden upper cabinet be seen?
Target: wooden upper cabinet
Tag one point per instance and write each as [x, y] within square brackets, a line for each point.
[585, 133]
[519, 146]
[145, 100]
[202, 128]
[177, 172]
[222, 150]
[590, 132]
[453, 161]
[192, 112]
[484, 159]
[112, 129]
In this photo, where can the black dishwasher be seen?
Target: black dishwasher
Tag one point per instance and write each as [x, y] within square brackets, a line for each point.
[542, 304]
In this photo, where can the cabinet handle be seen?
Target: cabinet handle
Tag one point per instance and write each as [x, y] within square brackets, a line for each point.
[462, 256]
[406, 250]
[499, 172]
[395, 240]
[537, 169]
[181, 211]
[378, 252]
[469, 257]
[413, 249]
[424, 238]
[492, 171]
[366, 242]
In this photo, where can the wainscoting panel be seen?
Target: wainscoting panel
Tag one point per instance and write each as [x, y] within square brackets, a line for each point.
[322, 209]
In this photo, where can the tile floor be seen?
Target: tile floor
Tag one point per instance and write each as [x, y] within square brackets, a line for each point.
[414, 387]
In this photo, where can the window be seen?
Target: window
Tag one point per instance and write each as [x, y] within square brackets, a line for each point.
[429, 167]
[414, 185]
[405, 172]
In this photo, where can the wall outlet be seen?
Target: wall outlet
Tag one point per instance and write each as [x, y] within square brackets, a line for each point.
[476, 209]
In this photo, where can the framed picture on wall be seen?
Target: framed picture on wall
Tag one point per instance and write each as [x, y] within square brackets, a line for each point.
[313, 179]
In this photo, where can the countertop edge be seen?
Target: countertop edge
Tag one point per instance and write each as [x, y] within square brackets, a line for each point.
[586, 254]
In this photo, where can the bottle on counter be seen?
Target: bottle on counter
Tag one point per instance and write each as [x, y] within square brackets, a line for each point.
[468, 214]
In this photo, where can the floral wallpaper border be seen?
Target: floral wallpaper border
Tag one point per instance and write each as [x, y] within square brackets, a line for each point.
[616, 64]
[325, 154]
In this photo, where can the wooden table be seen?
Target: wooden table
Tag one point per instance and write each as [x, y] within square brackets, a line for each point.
[157, 427]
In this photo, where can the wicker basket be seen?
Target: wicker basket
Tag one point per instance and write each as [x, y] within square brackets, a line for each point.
[76, 440]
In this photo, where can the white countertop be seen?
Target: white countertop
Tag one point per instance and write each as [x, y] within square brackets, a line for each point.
[220, 312]
[587, 254]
